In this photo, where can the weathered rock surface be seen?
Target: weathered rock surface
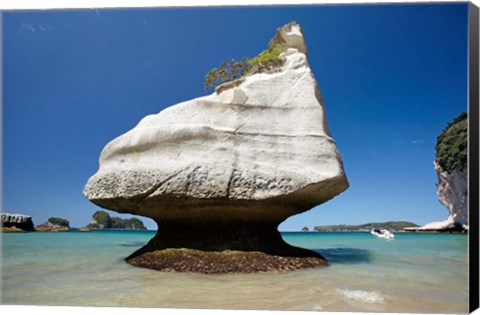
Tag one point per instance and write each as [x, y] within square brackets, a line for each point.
[453, 194]
[19, 221]
[50, 227]
[220, 172]
[56, 228]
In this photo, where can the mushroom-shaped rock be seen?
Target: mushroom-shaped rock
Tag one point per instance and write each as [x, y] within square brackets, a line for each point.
[221, 172]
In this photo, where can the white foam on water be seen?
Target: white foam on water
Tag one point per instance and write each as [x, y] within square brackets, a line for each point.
[317, 307]
[369, 297]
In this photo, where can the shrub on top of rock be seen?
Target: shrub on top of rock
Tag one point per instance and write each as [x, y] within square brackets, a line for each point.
[227, 71]
[233, 70]
[59, 221]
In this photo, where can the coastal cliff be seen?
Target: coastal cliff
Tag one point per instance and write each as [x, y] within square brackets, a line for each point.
[451, 166]
[221, 172]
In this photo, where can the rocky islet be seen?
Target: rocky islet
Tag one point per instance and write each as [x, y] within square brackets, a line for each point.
[12, 222]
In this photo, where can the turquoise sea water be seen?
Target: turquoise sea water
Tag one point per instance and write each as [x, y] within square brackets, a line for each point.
[421, 273]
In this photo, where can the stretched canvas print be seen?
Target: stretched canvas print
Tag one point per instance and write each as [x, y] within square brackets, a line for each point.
[300, 157]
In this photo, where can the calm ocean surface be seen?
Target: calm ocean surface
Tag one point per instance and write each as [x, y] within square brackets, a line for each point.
[413, 273]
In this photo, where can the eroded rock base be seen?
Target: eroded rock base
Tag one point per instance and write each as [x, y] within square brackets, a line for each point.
[222, 235]
[221, 262]
[222, 246]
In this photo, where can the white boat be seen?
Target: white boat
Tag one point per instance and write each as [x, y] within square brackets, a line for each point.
[383, 234]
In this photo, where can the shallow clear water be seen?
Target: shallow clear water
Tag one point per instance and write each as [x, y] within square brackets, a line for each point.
[413, 273]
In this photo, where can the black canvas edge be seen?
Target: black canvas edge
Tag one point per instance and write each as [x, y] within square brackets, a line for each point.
[473, 165]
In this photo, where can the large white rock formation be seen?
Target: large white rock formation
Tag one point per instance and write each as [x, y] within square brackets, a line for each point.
[255, 152]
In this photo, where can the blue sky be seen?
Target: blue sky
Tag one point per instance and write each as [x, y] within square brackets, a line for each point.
[391, 77]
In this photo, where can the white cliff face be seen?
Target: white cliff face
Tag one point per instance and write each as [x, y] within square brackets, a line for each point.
[265, 139]
[453, 194]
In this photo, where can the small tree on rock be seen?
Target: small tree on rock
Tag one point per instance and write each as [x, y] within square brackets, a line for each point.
[233, 70]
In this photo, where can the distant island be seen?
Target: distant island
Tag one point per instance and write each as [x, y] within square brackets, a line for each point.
[102, 220]
[390, 225]
[54, 224]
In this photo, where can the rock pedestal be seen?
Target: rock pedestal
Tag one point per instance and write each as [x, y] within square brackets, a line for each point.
[221, 172]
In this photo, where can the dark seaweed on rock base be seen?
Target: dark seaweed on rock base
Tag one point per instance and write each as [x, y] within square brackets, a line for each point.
[190, 260]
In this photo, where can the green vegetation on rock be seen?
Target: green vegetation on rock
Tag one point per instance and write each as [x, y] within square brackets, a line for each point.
[452, 143]
[226, 72]
[391, 225]
[265, 60]
[102, 220]
[129, 224]
[233, 70]
[59, 221]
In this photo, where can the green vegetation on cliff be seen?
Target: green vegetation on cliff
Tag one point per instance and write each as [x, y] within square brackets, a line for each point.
[451, 147]
[102, 220]
[391, 225]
